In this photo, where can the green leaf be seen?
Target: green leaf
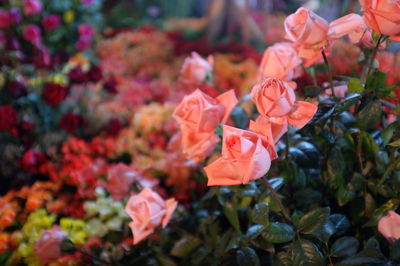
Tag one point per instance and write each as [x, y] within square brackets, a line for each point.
[240, 117]
[313, 221]
[376, 80]
[276, 182]
[344, 196]
[340, 222]
[395, 250]
[395, 143]
[278, 233]
[336, 167]
[254, 231]
[259, 214]
[369, 115]
[304, 252]
[355, 86]
[185, 246]
[347, 102]
[345, 246]
[312, 91]
[232, 216]
[247, 256]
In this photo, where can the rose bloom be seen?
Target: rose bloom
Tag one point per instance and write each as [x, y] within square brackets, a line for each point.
[31, 161]
[5, 19]
[389, 226]
[306, 27]
[48, 247]
[243, 158]
[32, 7]
[272, 128]
[120, 177]
[201, 113]
[382, 16]
[32, 34]
[51, 22]
[71, 122]
[83, 43]
[275, 98]
[195, 69]
[8, 118]
[279, 61]
[148, 211]
[86, 29]
[54, 94]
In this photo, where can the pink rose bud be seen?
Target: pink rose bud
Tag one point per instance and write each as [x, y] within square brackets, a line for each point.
[5, 19]
[32, 34]
[148, 211]
[279, 61]
[51, 22]
[389, 226]
[382, 16]
[195, 69]
[244, 158]
[32, 7]
[86, 30]
[48, 247]
[83, 43]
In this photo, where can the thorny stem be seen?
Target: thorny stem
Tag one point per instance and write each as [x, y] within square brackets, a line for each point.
[329, 72]
[276, 197]
[372, 59]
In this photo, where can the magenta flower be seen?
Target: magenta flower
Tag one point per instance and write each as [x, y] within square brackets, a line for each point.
[32, 7]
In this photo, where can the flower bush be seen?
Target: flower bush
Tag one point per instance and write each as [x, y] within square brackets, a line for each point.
[159, 155]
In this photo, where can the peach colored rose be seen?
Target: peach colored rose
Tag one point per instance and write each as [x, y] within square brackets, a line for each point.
[195, 69]
[279, 61]
[382, 16]
[48, 247]
[120, 179]
[244, 158]
[389, 226]
[201, 113]
[340, 91]
[351, 24]
[148, 211]
[275, 98]
[306, 27]
[272, 127]
[178, 170]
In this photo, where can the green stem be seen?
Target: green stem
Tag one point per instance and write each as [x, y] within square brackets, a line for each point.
[329, 73]
[372, 59]
[277, 199]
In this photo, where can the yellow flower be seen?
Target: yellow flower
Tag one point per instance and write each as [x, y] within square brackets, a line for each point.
[69, 16]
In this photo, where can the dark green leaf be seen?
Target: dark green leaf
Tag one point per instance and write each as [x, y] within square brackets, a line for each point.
[313, 221]
[312, 91]
[340, 222]
[231, 213]
[388, 132]
[254, 231]
[247, 256]
[344, 196]
[278, 233]
[395, 250]
[276, 182]
[336, 167]
[240, 117]
[304, 252]
[347, 102]
[369, 115]
[345, 246]
[185, 246]
[259, 214]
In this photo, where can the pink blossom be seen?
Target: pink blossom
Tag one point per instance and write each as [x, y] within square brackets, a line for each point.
[32, 7]
[5, 19]
[32, 34]
[48, 246]
[51, 22]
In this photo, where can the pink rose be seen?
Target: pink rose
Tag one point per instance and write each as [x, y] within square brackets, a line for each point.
[201, 113]
[197, 146]
[279, 61]
[48, 246]
[51, 22]
[389, 226]
[340, 91]
[32, 7]
[86, 29]
[120, 178]
[32, 34]
[148, 211]
[5, 19]
[382, 16]
[83, 43]
[195, 69]
[306, 27]
[351, 24]
[275, 98]
[243, 158]
[271, 127]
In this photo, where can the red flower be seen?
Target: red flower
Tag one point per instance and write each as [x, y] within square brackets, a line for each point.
[54, 94]
[5, 19]
[32, 34]
[114, 126]
[51, 22]
[8, 118]
[111, 86]
[71, 122]
[16, 89]
[76, 75]
[95, 73]
[32, 160]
